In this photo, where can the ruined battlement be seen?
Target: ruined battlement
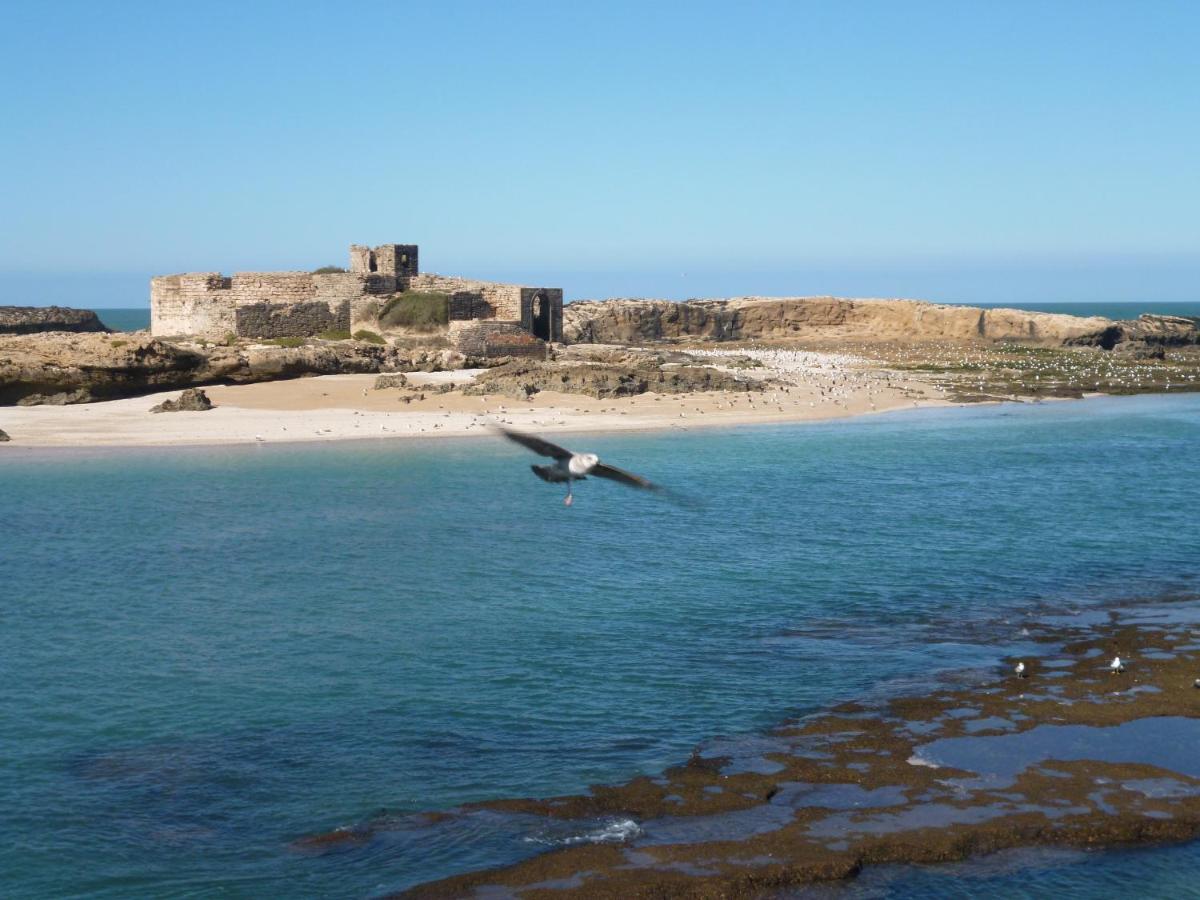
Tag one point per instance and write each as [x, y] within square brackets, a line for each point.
[214, 306]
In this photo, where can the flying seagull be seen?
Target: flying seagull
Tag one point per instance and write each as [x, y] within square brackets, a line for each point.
[571, 467]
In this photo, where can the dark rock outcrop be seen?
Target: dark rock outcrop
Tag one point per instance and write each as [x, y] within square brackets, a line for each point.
[383, 382]
[1146, 331]
[191, 400]
[4, 438]
[35, 319]
[524, 378]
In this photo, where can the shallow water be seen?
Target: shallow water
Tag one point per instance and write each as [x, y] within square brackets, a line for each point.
[212, 652]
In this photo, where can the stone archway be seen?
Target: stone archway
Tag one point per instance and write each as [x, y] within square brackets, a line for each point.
[539, 316]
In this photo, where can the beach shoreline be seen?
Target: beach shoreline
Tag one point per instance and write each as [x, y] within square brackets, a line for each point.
[348, 407]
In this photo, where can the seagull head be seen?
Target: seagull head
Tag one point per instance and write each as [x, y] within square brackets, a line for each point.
[589, 459]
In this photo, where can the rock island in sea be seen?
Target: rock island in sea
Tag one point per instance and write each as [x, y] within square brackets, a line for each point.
[294, 355]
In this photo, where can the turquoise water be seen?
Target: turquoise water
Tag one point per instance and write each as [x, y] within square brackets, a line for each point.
[1108, 310]
[136, 319]
[211, 652]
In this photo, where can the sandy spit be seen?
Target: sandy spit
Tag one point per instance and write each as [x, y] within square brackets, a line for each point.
[346, 407]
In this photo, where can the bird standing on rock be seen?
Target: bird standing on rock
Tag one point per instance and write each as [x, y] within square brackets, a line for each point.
[1116, 666]
[1020, 670]
[571, 467]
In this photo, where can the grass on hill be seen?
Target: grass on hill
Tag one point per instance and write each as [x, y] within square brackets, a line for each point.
[328, 270]
[334, 335]
[417, 310]
[369, 337]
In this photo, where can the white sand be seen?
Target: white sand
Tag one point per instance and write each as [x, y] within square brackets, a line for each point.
[340, 407]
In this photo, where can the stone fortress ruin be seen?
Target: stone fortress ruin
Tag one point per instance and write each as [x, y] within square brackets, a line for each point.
[482, 318]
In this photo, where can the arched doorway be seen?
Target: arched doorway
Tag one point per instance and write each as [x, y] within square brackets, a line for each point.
[539, 316]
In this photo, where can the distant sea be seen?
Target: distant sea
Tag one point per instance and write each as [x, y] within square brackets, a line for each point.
[134, 319]
[1108, 310]
[210, 652]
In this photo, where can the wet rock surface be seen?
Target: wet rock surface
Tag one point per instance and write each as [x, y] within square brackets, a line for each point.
[1072, 755]
[4, 438]
[191, 400]
[35, 319]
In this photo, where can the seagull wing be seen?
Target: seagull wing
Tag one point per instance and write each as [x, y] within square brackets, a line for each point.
[601, 470]
[536, 444]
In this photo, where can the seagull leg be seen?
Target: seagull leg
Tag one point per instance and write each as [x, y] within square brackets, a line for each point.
[570, 498]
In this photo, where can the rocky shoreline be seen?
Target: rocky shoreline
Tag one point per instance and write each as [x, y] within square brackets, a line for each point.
[37, 319]
[1071, 755]
[67, 365]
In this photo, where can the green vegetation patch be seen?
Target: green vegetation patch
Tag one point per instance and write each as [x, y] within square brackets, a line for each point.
[418, 310]
[334, 335]
[329, 270]
[369, 337]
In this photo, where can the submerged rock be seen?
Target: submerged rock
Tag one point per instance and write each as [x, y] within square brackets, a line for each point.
[191, 400]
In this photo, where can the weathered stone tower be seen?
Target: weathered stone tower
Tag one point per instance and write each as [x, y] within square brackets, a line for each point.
[399, 260]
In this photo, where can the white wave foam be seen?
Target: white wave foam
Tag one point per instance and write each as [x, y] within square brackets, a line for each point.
[916, 760]
[616, 831]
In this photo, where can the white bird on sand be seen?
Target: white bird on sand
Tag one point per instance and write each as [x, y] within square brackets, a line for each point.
[1116, 666]
[1020, 670]
[571, 467]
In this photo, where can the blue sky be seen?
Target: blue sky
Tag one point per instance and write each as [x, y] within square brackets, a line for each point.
[958, 151]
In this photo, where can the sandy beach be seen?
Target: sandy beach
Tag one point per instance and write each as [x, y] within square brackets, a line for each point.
[811, 387]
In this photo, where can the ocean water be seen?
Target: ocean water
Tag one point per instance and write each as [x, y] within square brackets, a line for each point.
[208, 653]
[133, 319]
[1108, 310]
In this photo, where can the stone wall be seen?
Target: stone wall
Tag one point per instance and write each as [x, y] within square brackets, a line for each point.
[283, 304]
[504, 299]
[465, 305]
[209, 304]
[276, 320]
[492, 339]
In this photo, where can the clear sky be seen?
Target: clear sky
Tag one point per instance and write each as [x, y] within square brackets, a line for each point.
[957, 151]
